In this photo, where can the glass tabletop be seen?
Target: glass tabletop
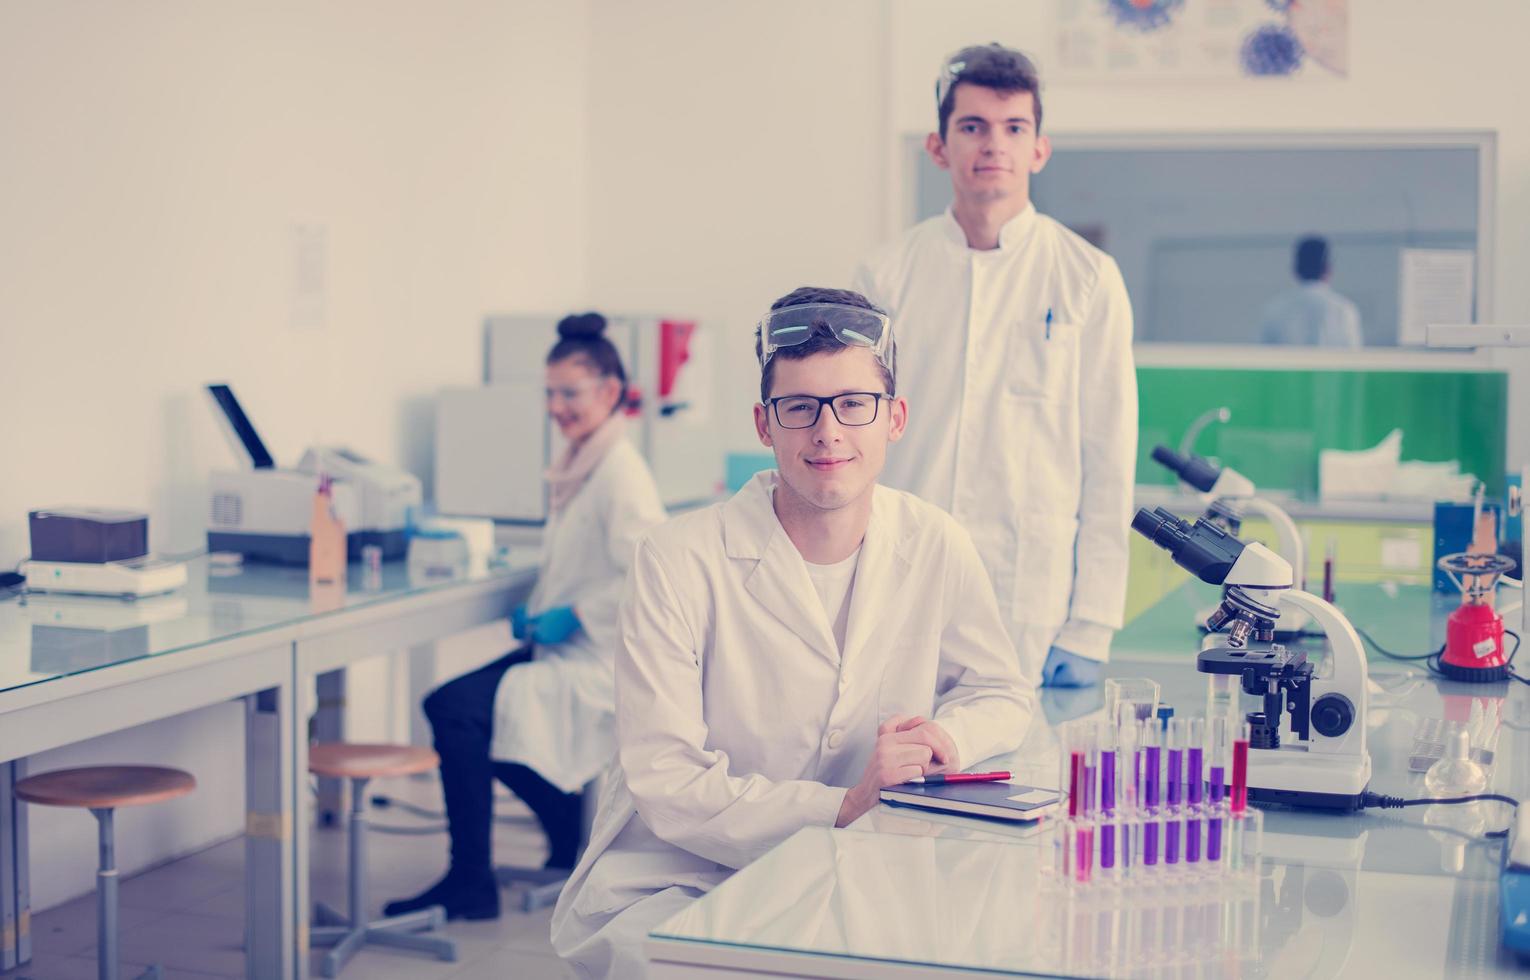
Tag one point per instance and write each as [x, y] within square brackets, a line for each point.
[951, 904]
[1376, 892]
[44, 636]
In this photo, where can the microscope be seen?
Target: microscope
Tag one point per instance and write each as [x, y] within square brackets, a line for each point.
[1228, 495]
[1319, 760]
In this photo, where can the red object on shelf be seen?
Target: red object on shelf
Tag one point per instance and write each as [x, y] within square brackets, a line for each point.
[674, 352]
[1474, 632]
[1474, 644]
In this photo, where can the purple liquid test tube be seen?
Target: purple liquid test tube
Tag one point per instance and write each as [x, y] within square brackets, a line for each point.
[1195, 755]
[1214, 825]
[1176, 790]
[1108, 806]
[1217, 790]
[1151, 759]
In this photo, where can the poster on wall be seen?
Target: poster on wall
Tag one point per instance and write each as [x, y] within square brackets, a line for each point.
[1115, 39]
[1435, 286]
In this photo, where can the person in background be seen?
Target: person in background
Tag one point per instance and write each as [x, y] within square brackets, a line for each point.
[788, 653]
[540, 719]
[1019, 336]
[1312, 313]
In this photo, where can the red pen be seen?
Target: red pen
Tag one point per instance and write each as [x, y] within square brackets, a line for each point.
[961, 777]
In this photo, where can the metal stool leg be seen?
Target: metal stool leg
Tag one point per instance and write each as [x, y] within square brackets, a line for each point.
[107, 954]
[347, 935]
[106, 898]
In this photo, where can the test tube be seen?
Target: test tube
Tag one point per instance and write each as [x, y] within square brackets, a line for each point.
[1083, 837]
[1151, 761]
[1246, 839]
[1217, 789]
[1110, 863]
[1240, 767]
[1195, 738]
[1221, 695]
[1128, 763]
[1328, 560]
[1176, 757]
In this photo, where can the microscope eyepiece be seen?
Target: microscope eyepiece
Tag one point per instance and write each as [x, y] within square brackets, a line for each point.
[1194, 470]
[1202, 549]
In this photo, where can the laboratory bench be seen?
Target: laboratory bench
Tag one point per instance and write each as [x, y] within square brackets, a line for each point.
[905, 893]
[74, 668]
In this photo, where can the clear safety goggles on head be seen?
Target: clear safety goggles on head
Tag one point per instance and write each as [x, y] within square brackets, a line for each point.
[853, 326]
[951, 69]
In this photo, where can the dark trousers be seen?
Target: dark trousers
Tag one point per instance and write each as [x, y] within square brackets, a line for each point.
[461, 714]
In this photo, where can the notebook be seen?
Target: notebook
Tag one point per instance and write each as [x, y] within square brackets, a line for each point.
[1000, 801]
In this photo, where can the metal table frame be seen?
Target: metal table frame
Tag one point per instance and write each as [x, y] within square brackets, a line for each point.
[273, 671]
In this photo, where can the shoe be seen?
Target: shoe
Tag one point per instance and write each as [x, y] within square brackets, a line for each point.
[462, 899]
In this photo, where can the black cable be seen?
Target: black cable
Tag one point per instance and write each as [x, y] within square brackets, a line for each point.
[1395, 656]
[1383, 802]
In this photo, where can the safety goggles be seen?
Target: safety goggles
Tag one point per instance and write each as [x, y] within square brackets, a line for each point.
[853, 326]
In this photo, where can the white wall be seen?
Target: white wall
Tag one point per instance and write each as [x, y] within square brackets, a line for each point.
[155, 157]
[736, 153]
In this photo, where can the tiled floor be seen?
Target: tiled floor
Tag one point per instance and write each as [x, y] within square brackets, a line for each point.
[189, 915]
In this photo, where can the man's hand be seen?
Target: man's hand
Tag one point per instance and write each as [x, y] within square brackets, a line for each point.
[906, 748]
[1066, 669]
[942, 748]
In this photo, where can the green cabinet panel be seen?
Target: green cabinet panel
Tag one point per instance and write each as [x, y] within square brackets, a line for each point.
[1281, 419]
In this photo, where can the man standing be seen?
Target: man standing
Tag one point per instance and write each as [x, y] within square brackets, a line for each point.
[1311, 312]
[1018, 340]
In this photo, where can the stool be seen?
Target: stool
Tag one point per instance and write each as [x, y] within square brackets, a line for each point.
[101, 789]
[544, 885]
[359, 763]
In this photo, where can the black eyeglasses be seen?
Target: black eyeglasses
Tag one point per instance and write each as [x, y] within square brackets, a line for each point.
[850, 408]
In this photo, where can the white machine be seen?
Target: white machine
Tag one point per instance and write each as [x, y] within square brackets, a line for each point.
[495, 441]
[265, 513]
[1228, 496]
[1320, 759]
[131, 578]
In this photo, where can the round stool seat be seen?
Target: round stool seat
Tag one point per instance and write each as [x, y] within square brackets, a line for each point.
[345, 760]
[100, 787]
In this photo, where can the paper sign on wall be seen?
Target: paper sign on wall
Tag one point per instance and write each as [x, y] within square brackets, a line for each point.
[1435, 286]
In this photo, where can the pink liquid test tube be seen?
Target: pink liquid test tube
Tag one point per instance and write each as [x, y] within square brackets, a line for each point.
[1240, 768]
[1083, 864]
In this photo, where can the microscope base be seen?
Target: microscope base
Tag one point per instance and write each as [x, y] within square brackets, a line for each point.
[1292, 777]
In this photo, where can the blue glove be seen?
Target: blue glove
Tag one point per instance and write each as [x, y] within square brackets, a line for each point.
[1064, 669]
[555, 625]
[520, 623]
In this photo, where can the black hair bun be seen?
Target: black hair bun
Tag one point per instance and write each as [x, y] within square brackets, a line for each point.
[577, 325]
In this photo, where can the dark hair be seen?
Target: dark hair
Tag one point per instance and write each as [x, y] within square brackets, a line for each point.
[823, 340]
[583, 335]
[991, 66]
[1311, 261]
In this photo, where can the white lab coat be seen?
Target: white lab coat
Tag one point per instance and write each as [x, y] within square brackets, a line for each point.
[1028, 439]
[1312, 314]
[555, 714]
[740, 721]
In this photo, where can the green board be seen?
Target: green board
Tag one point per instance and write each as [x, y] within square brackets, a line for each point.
[1281, 419]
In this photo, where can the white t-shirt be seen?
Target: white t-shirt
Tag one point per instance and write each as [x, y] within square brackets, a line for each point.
[833, 584]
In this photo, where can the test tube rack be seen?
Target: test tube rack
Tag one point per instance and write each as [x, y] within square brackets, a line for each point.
[1148, 802]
